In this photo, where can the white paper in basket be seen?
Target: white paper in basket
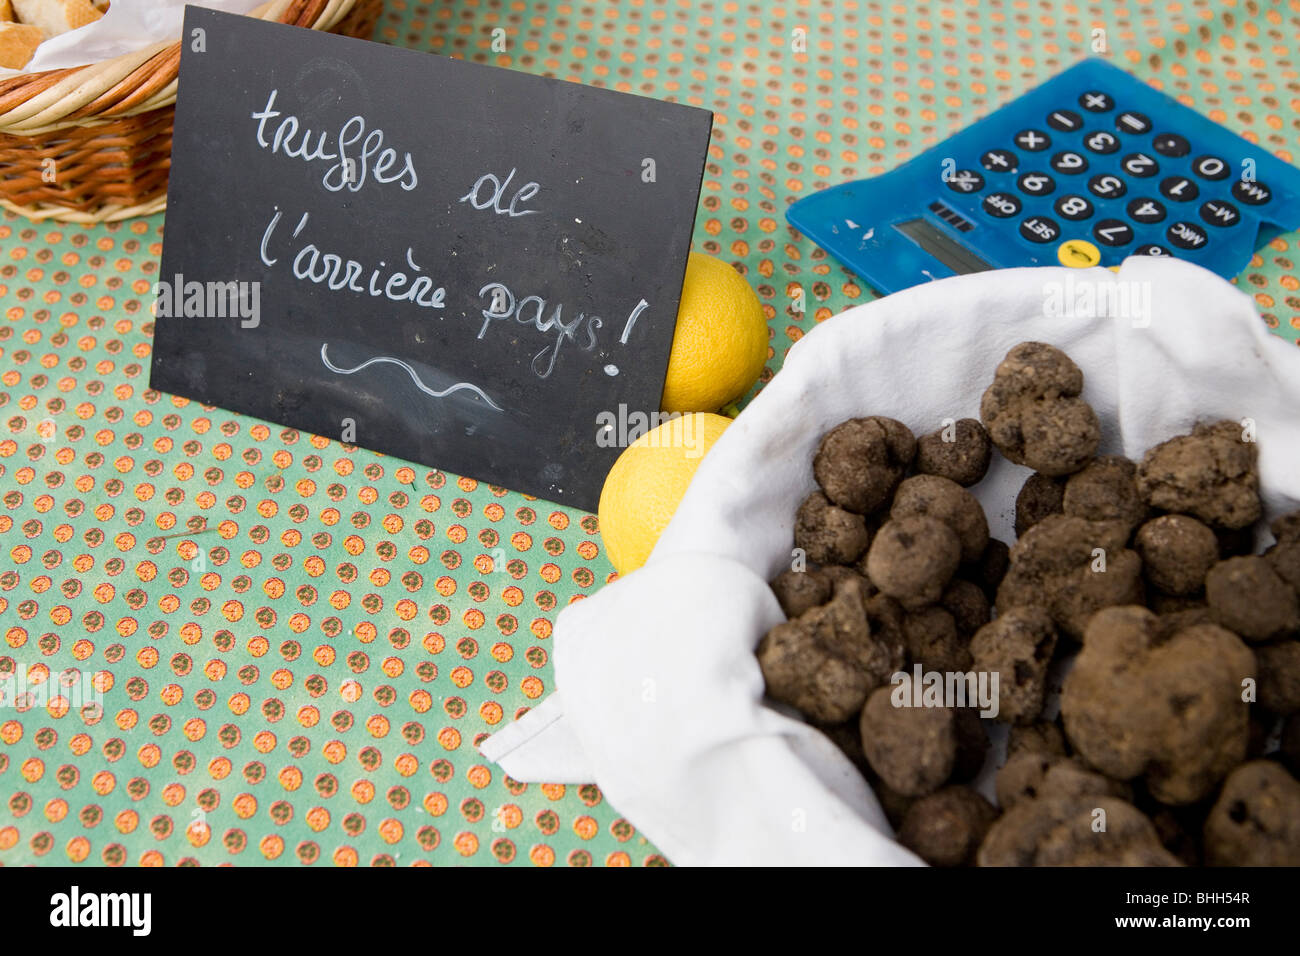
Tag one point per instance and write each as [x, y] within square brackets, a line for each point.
[659, 698]
[128, 25]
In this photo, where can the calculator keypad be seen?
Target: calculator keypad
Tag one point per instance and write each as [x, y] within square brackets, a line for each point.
[966, 181]
[1033, 140]
[1187, 235]
[1000, 161]
[1146, 211]
[1140, 165]
[1134, 123]
[1095, 101]
[1036, 184]
[1001, 205]
[1065, 121]
[1069, 163]
[1219, 213]
[1113, 232]
[1252, 193]
[1073, 208]
[1115, 151]
[1210, 167]
[1040, 229]
[1179, 189]
[1102, 142]
[1171, 145]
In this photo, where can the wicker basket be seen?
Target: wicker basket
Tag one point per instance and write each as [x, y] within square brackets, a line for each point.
[108, 126]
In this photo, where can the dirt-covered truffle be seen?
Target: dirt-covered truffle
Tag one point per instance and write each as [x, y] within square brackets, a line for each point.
[968, 605]
[1062, 831]
[1039, 497]
[1034, 414]
[912, 559]
[1073, 567]
[934, 642]
[1039, 737]
[991, 567]
[860, 462]
[1256, 820]
[1105, 490]
[1029, 776]
[1018, 647]
[825, 662]
[947, 827]
[799, 591]
[1168, 711]
[1284, 555]
[1177, 551]
[1279, 677]
[913, 749]
[952, 504]
[1246, 596]
[829, 534]
[960, 451]
[1211, 474]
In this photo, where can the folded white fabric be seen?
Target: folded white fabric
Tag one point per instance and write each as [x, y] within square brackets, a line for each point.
[659, 697]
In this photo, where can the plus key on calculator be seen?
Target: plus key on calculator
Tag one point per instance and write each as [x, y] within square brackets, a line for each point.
[1088, 169]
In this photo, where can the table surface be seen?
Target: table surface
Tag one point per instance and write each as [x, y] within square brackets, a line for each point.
[297, 645]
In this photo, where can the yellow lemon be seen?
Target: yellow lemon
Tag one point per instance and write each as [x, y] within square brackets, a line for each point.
[647, 483]
[720, 344]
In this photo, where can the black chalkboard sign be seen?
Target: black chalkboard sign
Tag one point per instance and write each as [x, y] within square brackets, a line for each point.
[460, 265]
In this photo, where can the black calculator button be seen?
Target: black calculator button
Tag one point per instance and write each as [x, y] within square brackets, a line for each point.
[1000, 161]
[1146, 211]
[1133, 122]
[1140, 165]
[1102, 142]
[1113, 232]
[1178, 189]
[1152, 249]
[1036, 184]
[1040, 229]
[1187, 235]
[1073, 208]
[1210, 167]
[1064, 121]
[1094, 101]
[1033, 140]
[1171, 144]
[1002, 205]
[1219, 212]
[1069, 162]
[1252, 192]
[1107, 186]
[966, 181]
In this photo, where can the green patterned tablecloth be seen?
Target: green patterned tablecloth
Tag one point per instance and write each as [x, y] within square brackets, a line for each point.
[288, 649]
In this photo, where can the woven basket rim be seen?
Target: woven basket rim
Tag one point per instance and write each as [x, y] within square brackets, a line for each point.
[129, 84]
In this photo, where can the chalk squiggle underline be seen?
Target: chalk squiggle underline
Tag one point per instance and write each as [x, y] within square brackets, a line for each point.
[410, 371]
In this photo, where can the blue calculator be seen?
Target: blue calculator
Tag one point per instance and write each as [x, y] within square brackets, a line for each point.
[1088, 169]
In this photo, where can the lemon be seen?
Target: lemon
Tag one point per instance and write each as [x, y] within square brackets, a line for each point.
[647, 483]
[720, 344]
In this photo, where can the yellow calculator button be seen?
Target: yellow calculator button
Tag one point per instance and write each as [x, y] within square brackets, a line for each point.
[1078, 253]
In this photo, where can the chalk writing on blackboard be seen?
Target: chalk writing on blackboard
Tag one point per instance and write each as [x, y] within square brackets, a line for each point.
[459, 263]
[410, 371]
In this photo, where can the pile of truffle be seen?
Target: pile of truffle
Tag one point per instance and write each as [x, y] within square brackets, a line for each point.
[1185, 645]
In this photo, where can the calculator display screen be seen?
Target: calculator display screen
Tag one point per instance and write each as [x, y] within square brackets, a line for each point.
[947, 250]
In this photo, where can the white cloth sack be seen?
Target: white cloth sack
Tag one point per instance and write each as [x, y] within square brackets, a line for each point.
[128, 25]
[659, 696]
